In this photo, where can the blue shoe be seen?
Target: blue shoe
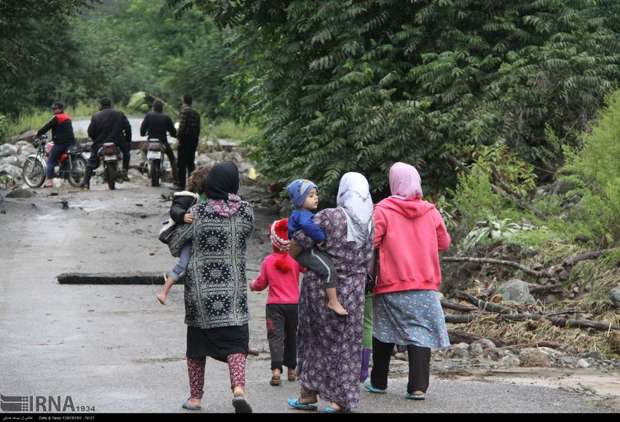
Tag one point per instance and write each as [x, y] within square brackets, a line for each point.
[296, 404]
[330, 409]
[417, 395]
[368, 386]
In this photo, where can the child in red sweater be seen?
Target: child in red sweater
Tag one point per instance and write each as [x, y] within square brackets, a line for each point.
[281, 273]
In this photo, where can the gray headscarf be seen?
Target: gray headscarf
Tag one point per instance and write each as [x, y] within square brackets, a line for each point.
[354, 198]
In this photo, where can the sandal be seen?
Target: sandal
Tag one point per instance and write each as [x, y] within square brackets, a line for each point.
[292, 376]
[241, 405]
[275, 380]
[368, 386]
[188, 406]
[331, 409]
[296, 404]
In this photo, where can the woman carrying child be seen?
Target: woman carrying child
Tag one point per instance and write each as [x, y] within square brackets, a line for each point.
[216, 305]
[330, 346]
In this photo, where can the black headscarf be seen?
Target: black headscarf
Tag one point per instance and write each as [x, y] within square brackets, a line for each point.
[222, 180]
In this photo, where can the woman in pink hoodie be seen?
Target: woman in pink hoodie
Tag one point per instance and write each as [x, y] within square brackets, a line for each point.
[409, 234]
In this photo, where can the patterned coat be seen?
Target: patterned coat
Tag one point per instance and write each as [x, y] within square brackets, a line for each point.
[216, 286]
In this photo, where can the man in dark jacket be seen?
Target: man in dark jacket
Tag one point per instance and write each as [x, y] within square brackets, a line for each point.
[189, 131]
[156, 125]
[107, 125]
[62, 136]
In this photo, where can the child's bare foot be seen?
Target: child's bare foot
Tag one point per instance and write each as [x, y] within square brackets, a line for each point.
[161, 298]
[333, 303]
[338, 308]
[163, 295]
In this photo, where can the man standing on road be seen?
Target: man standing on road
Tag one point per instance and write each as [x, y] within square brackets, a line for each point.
[156, 125]
[107, 125]
[62, 136]
[187, 137]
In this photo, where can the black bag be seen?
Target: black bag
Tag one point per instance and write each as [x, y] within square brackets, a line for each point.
[166, 232]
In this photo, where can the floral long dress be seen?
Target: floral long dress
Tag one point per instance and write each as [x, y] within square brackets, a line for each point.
[329, 346]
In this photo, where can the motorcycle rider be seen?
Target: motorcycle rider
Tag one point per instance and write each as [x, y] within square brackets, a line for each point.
[157, 124]
[62, 136]
[107, 125]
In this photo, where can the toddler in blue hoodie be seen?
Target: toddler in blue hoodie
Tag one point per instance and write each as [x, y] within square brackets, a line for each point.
[304, 196]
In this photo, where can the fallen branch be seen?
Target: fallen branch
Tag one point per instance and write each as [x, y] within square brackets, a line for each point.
[544, 289]
[456, 306]
[570, 262]
[460, 319]
[537, 274]
[558, 322]
[484, 305]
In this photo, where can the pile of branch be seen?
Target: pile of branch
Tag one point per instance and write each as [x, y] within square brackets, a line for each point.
[509, 314]
[552, 274]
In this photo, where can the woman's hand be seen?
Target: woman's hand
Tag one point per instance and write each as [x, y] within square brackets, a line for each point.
[294, 249]
[188, 218]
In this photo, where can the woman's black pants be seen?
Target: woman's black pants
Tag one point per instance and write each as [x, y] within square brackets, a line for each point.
[419, 366]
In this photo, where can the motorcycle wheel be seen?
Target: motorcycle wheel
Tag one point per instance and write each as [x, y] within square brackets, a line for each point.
[110, 174]
[77, 171]
[33, 172]
[154, 170]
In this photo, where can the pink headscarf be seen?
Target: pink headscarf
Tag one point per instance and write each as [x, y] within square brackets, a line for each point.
[405, 182]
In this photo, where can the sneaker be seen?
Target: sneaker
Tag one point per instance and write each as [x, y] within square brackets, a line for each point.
[416, 395]
[368, 386]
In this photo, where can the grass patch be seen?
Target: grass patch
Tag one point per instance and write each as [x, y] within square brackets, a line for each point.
[228, 129]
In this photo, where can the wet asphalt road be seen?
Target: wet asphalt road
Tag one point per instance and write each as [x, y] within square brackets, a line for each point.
[115, 348]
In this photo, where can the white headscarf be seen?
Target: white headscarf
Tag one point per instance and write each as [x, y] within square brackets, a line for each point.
[354, 197]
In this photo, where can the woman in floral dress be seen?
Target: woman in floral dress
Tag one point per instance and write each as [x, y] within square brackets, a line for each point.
[329, 345]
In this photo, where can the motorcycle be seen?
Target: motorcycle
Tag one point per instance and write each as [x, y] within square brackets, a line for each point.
[71, 165]
[155, 159]
[110, 155]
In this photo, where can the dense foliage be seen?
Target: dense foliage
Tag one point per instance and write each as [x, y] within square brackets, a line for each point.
[81, 50]
[357, 85]
[38, 56]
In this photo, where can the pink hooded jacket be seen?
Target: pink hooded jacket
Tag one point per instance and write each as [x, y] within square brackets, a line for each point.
[409, 234]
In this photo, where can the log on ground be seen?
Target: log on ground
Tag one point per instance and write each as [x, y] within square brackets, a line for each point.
[114, 278]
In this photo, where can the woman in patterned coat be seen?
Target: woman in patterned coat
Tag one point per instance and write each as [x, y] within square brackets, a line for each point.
[216, 307]
[329, 345]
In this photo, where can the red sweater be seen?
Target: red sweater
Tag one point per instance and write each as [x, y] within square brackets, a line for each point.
[283, 286]
[409, 235]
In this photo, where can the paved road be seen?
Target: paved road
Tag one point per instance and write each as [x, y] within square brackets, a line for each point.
[116, 348]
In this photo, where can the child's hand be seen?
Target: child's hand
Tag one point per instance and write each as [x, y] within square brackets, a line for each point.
[188, 218]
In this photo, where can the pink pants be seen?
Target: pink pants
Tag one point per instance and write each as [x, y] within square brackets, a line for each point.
[196, 371]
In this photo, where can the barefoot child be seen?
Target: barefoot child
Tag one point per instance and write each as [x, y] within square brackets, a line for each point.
[179, 214]
[281, 273]
[304, 195]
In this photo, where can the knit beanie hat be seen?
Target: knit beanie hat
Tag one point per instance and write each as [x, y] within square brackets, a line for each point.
[279, 234]
[279, 240]
[298, 190]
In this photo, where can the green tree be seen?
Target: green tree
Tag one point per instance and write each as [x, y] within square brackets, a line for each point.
[37, 55]
[356, 85]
